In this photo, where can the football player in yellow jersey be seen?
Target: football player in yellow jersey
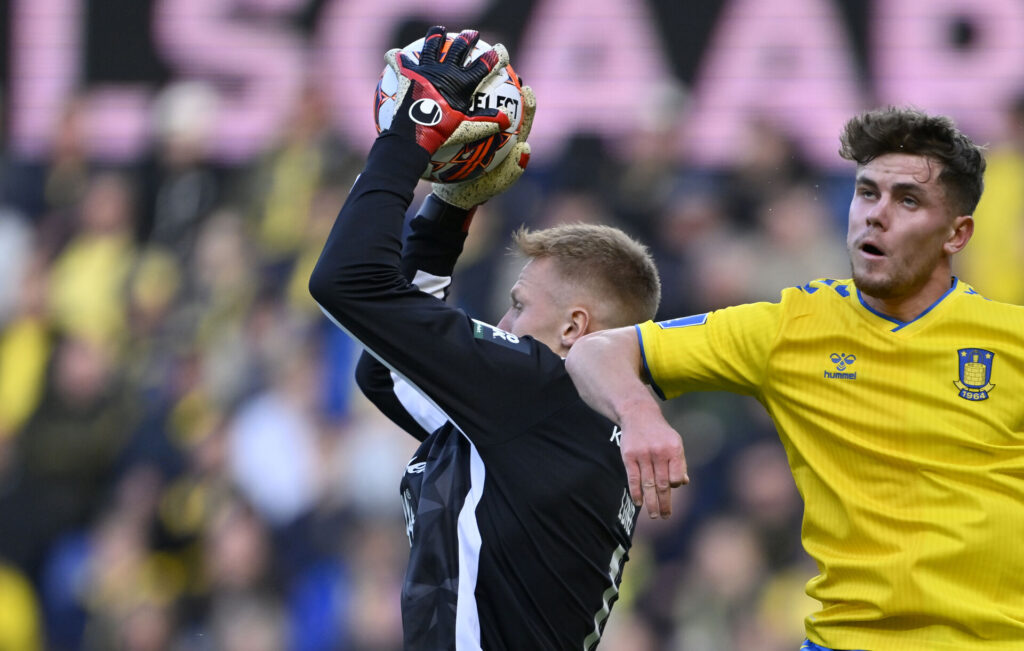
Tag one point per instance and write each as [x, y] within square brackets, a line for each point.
[898, 395]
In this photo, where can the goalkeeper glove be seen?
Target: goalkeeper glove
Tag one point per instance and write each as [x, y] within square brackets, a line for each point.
[469, 194]
[435, 94]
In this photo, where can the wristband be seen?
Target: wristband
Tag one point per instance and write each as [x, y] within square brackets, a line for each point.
[444, 214]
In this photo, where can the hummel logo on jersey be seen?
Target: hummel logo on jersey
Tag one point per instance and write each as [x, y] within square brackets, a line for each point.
[425, 111]
[842, 361]
[416, 468]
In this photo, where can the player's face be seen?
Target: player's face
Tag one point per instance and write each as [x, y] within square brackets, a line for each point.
[537, 306]
[899, 228]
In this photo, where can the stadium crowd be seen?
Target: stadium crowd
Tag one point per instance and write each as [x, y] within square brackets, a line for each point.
[185, 462]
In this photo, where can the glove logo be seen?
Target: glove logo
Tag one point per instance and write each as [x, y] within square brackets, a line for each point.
[426, 112]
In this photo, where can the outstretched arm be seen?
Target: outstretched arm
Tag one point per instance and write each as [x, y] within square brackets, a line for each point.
[389, 301]
[438, 233]
[607, 369]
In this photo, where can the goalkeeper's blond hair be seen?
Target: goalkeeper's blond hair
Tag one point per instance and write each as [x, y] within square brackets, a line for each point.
[616, 269]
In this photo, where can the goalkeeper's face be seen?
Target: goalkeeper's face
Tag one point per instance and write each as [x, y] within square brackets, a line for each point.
[543, 306]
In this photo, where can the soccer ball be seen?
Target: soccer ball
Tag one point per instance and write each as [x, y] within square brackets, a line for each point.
[457, 163]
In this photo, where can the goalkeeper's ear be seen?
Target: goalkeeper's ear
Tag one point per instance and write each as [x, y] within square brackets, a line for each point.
[577, 323]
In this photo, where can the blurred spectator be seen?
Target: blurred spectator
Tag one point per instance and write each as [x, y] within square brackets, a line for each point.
[155, 331]
[323, 208]
[249, 623]
[21, 627]
[794, 243]
[628, 631]
[764, 494]
[378, 554]
[769, 163]
[585, 166]
[221, 289]
[782, 604]
[48, 190]
[17, 242]
[365, 455]
[235, 603]
[275, 425]
[89, 279]
[337, 350]
[999, 238]
[237, 554]
[127, 591]
[718, 590]
[181, 188]
[692, 228]
[65, 456]
[650, 162]
[26, 343]
[284, 185]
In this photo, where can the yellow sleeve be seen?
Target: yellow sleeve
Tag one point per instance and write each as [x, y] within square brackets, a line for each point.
[24, 353]
[724, 350]
[20, 626]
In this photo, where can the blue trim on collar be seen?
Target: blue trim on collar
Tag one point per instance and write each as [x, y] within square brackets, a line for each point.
[903, 324]
[811, 646]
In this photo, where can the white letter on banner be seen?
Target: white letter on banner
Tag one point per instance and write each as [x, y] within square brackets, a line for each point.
[786, 61]
[45, 47]
[264, 65]
[594, 65]
[918, 62]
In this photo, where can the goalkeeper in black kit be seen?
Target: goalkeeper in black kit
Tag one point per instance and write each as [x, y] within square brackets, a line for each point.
[517, 505]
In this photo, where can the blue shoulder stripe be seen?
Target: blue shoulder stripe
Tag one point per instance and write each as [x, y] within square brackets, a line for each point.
[684, 321]
[841, 289]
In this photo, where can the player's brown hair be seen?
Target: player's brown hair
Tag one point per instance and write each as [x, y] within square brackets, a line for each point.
[904, 130]
[603, 259]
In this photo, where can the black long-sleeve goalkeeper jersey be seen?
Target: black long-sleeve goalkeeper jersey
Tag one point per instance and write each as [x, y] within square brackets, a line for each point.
[517, 506]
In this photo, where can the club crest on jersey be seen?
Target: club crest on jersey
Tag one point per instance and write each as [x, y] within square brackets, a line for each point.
[975, 373]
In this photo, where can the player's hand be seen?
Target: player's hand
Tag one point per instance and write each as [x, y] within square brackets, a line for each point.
[653, 455]
[435, 94]
[470, 194]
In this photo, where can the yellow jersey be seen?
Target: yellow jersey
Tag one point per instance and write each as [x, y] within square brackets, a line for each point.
[906, 442]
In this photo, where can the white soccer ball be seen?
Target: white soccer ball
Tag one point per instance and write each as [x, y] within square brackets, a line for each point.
[457, 163]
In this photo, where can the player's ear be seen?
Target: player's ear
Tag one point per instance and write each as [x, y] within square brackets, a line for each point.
[578, 323]
[960, 233]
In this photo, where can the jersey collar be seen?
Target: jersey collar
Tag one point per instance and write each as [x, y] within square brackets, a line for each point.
[895, 325]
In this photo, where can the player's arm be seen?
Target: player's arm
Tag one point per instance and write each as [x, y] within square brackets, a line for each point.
[725, 350]
[435, 241]
[382, 389]
[431, 346]
[359, 280]
[608, 371]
